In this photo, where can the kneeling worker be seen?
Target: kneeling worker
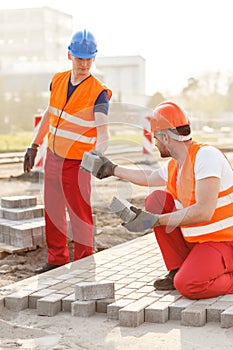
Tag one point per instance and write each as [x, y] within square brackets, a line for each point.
[193, 217]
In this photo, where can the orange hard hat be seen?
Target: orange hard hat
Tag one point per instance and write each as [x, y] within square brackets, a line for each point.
[168, 115]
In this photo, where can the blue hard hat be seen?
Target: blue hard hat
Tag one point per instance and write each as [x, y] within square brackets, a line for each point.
[83, 45]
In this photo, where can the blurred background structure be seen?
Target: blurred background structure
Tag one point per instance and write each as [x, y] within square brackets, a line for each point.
[33, 46]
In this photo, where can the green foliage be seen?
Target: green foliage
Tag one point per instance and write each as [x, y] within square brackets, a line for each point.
[15, 142]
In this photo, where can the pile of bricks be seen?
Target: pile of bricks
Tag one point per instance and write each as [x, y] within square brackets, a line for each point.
[22, 223]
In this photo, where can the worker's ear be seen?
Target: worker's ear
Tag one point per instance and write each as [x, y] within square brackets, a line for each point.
[69, 55]
[165, 138]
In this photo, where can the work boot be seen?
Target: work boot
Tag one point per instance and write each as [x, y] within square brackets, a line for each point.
[167, 282]
[45, 267]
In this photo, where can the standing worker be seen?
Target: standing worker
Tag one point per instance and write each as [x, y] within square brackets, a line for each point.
[76, 121]
[193, 217]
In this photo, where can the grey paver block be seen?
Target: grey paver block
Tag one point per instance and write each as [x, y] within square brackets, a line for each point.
[157, 312]
[178, 306]
[101, 305]
[17, 301]
[18, 201]
[227, 318]
[133, 314]
[121, 207]
[91, 163]
[214, 310]
[226, 297]
[83, 308]
[50, 305]
[21, 236]
[194, 315]
[113, 309]
[32, 299]
[94, 290]
[23, 213]
[67, 301]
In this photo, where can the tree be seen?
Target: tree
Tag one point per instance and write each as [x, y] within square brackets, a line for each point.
[155, 100]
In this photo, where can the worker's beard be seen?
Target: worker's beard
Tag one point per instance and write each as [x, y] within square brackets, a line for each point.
[164, 152]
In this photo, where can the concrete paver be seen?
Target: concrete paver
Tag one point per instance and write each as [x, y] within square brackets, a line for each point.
[131, 269]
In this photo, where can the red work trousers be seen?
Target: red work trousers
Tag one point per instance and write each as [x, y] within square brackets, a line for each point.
[67, 188]
[205, 269]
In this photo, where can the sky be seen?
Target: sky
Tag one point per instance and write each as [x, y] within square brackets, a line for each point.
[179, 39]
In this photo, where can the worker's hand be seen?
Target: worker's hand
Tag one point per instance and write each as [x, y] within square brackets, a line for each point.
[143, 221]
[29, 157]
[96, 153]
[106, 169]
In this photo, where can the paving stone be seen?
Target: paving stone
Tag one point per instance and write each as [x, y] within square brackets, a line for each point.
[32, 299]
[83, 308]
[23, 213]
[157, 312]
[21, 236]
[91, 163]
[17, 301]
[121, 207]
[215, 310]
[194, 315]
[121, 267]
[178, 306]
[227, 318]
[94, 290]
[61, 285]
[49, 305]
[133, 314]
[101, 305]
[113, 309]
[67, 301]
[18, 201]
[227, 297]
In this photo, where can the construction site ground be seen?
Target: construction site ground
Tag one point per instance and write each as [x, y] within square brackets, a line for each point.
[25, 329]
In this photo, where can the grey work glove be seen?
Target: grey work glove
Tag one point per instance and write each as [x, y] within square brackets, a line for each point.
[143, 221]
[106, 169]
[29, 158]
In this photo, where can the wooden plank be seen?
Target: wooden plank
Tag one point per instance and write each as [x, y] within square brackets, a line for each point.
[13, 249]
[3, 254]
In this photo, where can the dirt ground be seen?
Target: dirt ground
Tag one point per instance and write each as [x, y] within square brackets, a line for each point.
[109, 232]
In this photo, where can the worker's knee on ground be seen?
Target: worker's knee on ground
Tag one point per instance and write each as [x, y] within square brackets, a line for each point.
[186, 287]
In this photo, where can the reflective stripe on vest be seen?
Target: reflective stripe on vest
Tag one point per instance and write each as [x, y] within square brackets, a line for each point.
[72, 135]
[209, 229]
[220, 227]
[72, 119]
[218, 224]
[73, 128]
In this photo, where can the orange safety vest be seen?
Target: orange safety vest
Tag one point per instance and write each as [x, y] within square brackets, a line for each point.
[72, 128]
[220, 227]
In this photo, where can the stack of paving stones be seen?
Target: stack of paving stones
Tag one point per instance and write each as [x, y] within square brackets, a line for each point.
[118, 282]
[21, 222]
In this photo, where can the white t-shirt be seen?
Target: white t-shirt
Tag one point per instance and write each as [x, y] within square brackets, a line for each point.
[209, 162]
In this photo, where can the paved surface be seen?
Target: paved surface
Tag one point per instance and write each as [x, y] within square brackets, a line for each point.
[132, 267]
[137, 318]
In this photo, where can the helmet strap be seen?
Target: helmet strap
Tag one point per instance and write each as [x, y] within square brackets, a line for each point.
[177, 137]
